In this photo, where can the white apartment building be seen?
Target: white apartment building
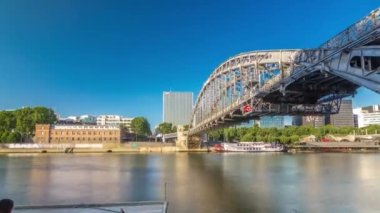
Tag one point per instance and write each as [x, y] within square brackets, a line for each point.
[369, 115]
[114, 120]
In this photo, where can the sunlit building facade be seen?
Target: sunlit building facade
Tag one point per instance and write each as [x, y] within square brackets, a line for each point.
[369, 115]
[177, 107]
[46, 133]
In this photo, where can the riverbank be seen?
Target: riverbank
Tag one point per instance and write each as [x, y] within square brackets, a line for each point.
[133, 147]
[147, 147]
[335, 147]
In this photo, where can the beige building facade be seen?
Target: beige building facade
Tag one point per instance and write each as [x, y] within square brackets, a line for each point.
[46, 133]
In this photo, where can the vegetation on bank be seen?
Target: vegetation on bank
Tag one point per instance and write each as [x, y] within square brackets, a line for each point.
[286, 135]
[141, 128]
[19, 125]
[165, 128]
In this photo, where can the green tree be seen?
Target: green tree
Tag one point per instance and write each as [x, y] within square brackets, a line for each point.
[43, 115]
[231, 134]
[13, 137]
[294, 138]
[7, 121]
[165, 128]
[4, 137]
[247, 137]
[24, 122]
[27, 118]
[216, 135]
[20, 124]
[140, 126]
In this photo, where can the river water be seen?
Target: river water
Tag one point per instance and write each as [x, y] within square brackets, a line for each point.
[199, 182]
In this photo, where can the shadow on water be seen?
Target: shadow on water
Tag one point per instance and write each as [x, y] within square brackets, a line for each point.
[212, 187]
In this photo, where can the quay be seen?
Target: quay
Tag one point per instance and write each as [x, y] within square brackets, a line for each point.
[131, 147]
[335, 147]
[130, 207]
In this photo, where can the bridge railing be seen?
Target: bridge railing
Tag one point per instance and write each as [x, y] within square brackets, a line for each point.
[355, 31]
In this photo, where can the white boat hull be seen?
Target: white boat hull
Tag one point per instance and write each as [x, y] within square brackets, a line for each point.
[251, 147]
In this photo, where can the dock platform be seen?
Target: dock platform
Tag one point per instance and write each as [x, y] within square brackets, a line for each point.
[128, 207]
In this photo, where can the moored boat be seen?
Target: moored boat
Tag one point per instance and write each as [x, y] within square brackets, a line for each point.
[252, 147]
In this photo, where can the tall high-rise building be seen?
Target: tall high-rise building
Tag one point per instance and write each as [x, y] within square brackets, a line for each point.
[345, 117]
[177, 107]
[272, 121]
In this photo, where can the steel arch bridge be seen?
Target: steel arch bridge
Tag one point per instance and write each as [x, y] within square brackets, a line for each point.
[291, 82]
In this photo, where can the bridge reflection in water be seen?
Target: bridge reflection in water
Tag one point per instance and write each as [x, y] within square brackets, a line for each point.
[291, 82]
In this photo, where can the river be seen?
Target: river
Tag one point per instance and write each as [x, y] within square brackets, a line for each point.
[199, 182]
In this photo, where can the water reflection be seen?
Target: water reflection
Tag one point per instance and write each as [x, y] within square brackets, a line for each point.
[330, 182]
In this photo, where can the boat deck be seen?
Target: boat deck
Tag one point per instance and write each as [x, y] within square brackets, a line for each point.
[130, 207]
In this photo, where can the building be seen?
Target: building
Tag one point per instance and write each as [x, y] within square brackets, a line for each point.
[297, 120]
[310, 120]
[87, 119]
[114, 120]
[369, 115]
[83, 119]
[314, 121]
[177, 107]
[272, 121]
[345, 117]
[46, 133]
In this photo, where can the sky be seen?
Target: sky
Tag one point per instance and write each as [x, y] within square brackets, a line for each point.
[118, 56]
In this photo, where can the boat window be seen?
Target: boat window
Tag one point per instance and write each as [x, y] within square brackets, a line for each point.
[372, 63]
[356, 62]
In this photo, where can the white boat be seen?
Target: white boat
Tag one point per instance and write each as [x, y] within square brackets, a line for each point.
[252, 147]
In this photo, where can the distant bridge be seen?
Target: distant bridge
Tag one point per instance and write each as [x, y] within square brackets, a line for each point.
[291, 82]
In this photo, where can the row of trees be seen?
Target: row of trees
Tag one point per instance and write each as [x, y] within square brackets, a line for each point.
[19, 125]
[285, 135]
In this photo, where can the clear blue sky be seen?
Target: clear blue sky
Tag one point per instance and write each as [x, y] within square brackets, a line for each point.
[118, 56]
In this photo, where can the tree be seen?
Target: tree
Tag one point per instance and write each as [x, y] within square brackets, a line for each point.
[216, 135]
[7, 121]
[43, 115]
[247, 137]
[140, 126]
[21, 122]
[165, 128]
[294, 138]
[27, 118]
[13, 137]
[4, 137]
